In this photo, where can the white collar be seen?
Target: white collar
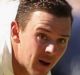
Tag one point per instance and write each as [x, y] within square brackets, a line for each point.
[7, 64]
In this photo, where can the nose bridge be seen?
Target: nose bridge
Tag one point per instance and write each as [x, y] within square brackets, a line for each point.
[50, 48]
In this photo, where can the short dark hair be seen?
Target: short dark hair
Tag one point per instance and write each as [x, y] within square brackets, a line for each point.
[59, 8]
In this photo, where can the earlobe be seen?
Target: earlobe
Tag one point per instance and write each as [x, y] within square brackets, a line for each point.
[15, 32]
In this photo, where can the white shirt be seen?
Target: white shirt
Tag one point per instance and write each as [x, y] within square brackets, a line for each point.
[6, 62]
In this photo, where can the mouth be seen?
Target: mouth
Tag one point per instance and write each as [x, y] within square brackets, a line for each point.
[44, 63]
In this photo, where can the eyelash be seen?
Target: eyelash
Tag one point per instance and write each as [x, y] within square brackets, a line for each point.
[42, 37]
[62, 41]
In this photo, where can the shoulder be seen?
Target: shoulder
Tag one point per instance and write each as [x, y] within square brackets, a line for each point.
[1, 69]
[0, 63]
[49, 73]
[1, 58]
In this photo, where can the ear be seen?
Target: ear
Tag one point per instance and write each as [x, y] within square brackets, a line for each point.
[15, 32]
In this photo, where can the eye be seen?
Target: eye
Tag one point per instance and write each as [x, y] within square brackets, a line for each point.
[42, 37]
[62, 41]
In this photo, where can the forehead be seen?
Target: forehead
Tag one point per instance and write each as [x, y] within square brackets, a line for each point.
[45, 19]
[42, 16]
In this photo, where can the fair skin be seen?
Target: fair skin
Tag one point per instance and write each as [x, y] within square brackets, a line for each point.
[40, 46]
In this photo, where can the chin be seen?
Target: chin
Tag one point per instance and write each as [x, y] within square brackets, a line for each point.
[39, 72]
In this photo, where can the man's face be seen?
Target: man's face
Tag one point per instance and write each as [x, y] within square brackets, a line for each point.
[43, 42]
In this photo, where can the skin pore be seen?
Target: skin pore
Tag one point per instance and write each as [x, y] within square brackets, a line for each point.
[42, 43]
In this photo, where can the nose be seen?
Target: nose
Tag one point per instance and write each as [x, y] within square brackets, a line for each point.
[50, 49]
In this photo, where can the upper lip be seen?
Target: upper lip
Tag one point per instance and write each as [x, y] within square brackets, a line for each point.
[46, 59]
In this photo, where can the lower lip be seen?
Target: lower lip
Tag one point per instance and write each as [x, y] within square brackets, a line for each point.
[42, 66]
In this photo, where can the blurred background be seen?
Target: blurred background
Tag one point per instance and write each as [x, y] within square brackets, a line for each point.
[70, 63]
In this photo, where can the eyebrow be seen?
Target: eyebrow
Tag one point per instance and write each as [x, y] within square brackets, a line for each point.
[44, 29]
[49, 31]
[65, 35]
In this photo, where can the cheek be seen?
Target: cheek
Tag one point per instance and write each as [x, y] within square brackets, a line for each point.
[24, 55]
[40, 45]
[60, 53]
[30, 49]
[25, 51]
